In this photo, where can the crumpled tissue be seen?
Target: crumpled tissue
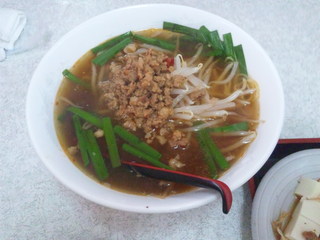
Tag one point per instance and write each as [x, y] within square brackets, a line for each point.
[12, 23]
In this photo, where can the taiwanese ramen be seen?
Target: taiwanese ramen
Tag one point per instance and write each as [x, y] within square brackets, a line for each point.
[177, 98]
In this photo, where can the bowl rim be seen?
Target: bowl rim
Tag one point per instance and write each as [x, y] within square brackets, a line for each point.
[186, 206]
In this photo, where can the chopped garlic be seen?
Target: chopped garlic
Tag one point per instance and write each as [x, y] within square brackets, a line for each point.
[130, 48]
[162, 140]
[99, 133]
[175, 163]
[73, 150]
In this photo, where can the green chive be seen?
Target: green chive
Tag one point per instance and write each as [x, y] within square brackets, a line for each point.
[156, 42]
[67, 74]
[228, 45]
[82, 140]
[208, 158]
[96, 156]
[205, 33]
[111, 142]
[216, 44]
[136, 142]
[88, 117]
[136, 152]
[106, 55]
[111, 42]
[185, 30]
[241, 126]
[219, 159]
[241, 59]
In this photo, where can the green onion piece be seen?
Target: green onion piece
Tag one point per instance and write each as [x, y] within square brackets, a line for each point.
[219, 159]
[67, 74]
[241, 59]
[215, 42]
[156, 42]
[207, 156]
[173, 27]
[82, 140]
[106, 55]
[88, 117]
[111, 142]
[136, 142]
[111, 42]
[205, 33]
[241, 126]
[136, 152]
[228, 45]
[96, 156]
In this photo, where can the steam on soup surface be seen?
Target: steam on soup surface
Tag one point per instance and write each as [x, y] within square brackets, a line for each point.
[187, 100]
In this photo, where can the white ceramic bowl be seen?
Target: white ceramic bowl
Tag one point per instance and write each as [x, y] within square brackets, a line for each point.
[72, 46]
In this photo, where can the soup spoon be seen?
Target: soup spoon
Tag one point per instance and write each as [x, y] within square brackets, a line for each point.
[185, 178]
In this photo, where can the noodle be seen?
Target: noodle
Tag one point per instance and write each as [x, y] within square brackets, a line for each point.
[94, 79]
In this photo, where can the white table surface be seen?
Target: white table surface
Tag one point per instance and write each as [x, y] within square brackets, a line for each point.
[34, 205]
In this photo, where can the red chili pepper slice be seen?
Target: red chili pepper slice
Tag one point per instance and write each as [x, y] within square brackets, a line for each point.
[169, 61]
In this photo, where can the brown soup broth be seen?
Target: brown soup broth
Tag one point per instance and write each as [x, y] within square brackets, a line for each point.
[123, 179]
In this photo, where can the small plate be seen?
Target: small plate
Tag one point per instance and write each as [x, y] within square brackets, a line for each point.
[275, 192]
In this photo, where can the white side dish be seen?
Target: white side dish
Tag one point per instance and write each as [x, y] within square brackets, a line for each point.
[306, 215]
[276, 190]
[308, 188]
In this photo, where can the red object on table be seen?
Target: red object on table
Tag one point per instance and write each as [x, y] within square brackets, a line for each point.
[284, 148]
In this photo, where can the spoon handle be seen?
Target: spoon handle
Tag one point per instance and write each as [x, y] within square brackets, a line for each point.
[186, 178]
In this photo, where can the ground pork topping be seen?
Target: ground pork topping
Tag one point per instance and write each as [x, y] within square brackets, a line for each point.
[138, 89]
